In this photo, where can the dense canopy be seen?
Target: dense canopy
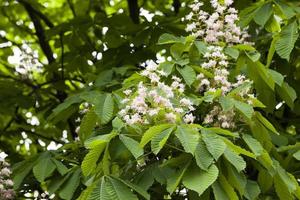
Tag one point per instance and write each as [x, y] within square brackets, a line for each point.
[149, 99]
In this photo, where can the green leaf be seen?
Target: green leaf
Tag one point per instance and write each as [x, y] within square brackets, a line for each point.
[174, 180]
[132, 146]
[297, 155]
[176, 50]
[277, 77]
[104, 108]
[232, 52]
[271, 52]
[201, 46]
[203, 158]
[253, 55]
[285, 43]
[266, 123]
[153, 131]
[199, 180]
[214, 144]
[61, 168]
[239, 150]
[226, 103]
[99, 191]
[87, 124]
[252, 190]
[263, 14]
[118, 190]
[67, 103]
[167, 67]
[89, 162]
[188, 137]
[21, 170]
[223, 190]
[253, 144]
[167, 38]
[236, 179]
[219, 192]
[188, 74]
[244, 108]
[221, 131]
[237, 161]
[159, 140]
[44, 168]
[136, 188]
[288, 94]
[70, 186]
[248, 14]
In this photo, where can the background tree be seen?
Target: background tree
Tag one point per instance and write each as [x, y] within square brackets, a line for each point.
[61, 59]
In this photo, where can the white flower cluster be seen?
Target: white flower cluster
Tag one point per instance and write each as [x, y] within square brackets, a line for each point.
[218, 30]
[156, 100]
[219, 26]
[6, 184]
[26, 61]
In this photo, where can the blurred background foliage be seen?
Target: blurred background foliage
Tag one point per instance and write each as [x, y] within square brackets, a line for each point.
[53, 50]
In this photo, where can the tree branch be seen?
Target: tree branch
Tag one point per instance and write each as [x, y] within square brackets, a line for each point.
[40, 33]
[176, 6]
[134, 11]
[71, 6]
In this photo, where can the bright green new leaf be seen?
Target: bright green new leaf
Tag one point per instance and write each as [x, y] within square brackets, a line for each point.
[153, 131]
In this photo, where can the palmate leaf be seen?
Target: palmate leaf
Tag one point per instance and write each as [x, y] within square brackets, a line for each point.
[132, 146]
[87, 125]
[104, 108]
[71, 185]
[252, 190]
[188, 74]
[223, 190]
[188, 137]
[236, 179]
[89, 162]
[199, 180]
[174, 180]
[21, 170]
[61, 168]
[214, 144]
[263, 14]
[151, 132]
[44, 168]
[237, 161]
[167, 38]
[288, 37]
[203, 158]
[158, 141]
[109, 188]
[253, 144]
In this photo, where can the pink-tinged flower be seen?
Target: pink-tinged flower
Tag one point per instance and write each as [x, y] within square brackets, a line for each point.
[171, 117]
[189, 118]
[153, 112]
[186, 102]
[5, 172]
[127, 92]
[151, 66]
[228, 2]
